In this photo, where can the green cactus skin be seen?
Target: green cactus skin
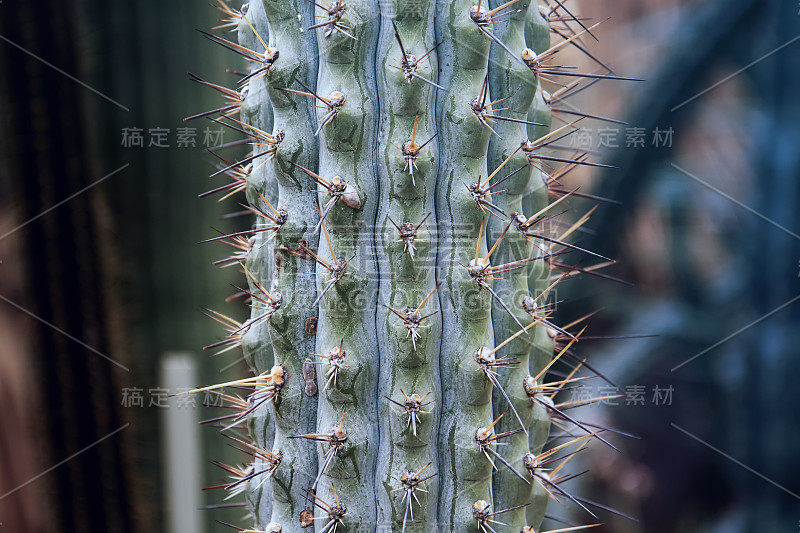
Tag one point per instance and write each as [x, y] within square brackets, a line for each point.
[292, 278]
[464, 473]
[354, 51]
[405, 280]
[347, 312]
[257, 347]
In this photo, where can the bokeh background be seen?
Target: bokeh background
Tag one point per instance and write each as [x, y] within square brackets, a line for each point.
[101, 276]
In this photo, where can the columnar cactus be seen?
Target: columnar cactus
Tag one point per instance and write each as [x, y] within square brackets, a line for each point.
[398, 270]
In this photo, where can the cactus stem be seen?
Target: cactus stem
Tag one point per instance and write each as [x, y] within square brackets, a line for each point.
[362, 138]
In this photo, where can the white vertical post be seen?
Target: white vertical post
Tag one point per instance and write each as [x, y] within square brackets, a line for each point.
[181, 445]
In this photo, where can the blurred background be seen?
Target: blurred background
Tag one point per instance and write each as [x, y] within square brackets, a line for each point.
[101, 276]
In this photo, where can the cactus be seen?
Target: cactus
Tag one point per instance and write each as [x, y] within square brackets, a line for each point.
[398, 271]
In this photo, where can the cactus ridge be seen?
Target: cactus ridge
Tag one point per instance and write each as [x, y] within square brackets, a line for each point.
[402, 267]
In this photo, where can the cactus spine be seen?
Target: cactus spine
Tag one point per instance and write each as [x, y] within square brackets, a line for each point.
[398, 327]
